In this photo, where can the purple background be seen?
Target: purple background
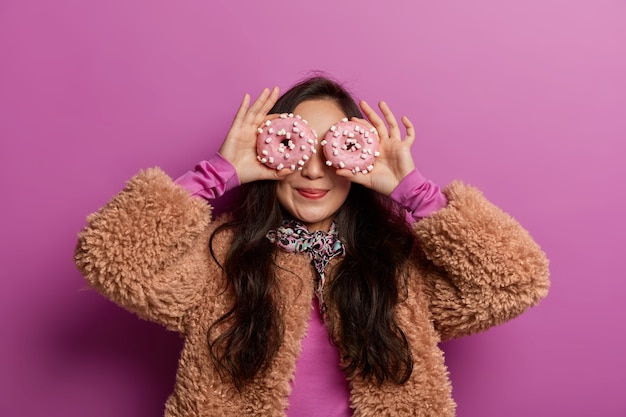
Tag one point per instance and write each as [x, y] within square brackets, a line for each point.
[525, 99]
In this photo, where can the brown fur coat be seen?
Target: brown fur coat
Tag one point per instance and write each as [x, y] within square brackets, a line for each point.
[148, 251]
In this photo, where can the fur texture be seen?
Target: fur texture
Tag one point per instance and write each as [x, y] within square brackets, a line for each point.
[147, 250]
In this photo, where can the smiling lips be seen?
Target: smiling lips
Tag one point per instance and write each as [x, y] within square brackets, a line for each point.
[312, 193]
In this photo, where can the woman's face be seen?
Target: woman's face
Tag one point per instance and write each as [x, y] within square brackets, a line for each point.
[314, 194]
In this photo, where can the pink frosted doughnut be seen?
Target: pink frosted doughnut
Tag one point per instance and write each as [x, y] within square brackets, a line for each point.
[351, 145]
[285, 142]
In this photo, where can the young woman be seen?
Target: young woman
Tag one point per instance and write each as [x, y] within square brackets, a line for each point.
[324, 292]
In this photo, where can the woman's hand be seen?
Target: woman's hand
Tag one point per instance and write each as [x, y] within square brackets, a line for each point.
[395, 160]
[239, 147]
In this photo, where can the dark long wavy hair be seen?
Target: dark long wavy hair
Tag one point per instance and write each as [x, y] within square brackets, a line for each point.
[364, 288]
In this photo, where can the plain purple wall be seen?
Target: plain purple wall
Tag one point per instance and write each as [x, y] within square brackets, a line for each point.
[524, 99]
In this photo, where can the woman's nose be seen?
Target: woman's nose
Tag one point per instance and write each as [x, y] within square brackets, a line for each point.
[315, 167]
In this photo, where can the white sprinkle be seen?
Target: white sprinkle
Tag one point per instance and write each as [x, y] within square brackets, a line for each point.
[313, 150]
[270, 160]
[295, 130]
[259, 131]
[281, 132]
[370, 167]
[370, 140]
[310, 141]
[292, 167]
[299, 168]
[332, 128]
[336, 134]
[301, 134]
[283, 116]
[345, 132]
[350, 135]
[345, 119]
[335, 144]
[301, 162]
[323, 143]
[303, 147]
[264, 160]
[268, 140]
[363, 156]
[356, 169]
[357, 145]
[265, 152]
[335, 152]
[286, 156]
[341, 164]
[328, 163]
[270, 131]
[290, 114]
[305, 157]
[295, 124]
[288, 135]
[376, 153]
[279, 167]
[298, 117]
[268, 122]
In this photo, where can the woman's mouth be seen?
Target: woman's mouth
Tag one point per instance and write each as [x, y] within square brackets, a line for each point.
[312, 193]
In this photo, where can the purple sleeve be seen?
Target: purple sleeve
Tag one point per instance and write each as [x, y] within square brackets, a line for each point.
[210, 179]
[419, 196]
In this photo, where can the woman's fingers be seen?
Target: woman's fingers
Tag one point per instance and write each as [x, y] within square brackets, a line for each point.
[257, 106]
[258, 103]
[394, 129]
[271, 100]
[389, 128]
[374, 118]
[254, 114]
[243, 108]
[410, 130]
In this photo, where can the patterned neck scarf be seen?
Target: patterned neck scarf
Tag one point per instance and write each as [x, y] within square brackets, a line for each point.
[321, 247]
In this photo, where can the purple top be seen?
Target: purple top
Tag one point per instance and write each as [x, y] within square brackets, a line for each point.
[210, 179]
[319, 386]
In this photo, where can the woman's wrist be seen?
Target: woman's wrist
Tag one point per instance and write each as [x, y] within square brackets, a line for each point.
[210, 178]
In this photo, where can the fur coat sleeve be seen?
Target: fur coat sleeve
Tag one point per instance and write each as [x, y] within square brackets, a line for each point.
[138, 249]
[481, 267]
